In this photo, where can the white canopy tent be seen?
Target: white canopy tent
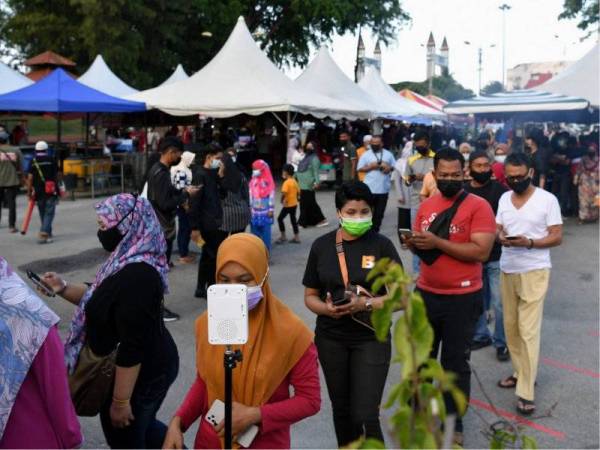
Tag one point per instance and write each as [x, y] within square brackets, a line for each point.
[324, 76]
[388, 100]
[100, 77]
[177, 75]
[11, 80]
[240, 79]
[580, 79]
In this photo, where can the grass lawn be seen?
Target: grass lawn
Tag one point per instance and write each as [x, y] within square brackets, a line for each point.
[45, 127]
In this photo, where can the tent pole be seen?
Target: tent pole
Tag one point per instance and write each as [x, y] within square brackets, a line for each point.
[58, 130]
[87, 131]
[287, 129]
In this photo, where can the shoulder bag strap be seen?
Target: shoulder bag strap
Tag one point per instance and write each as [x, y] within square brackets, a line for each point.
[339, 247]
[39, 171]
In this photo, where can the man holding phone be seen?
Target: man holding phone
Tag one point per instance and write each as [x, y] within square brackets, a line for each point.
[529, 224]
[451, 285]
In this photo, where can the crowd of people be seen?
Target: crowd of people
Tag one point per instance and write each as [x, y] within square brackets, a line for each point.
[477, 217]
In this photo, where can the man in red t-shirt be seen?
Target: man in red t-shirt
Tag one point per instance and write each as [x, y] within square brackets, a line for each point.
[451, 286]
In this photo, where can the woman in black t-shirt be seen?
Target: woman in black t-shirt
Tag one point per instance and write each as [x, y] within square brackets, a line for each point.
[355, 364]
[123, 310]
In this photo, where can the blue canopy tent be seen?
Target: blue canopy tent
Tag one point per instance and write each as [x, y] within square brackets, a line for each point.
[59, 93]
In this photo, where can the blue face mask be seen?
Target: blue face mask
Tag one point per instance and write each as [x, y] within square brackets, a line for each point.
[256, 173]
[255, 294]
[215, 163]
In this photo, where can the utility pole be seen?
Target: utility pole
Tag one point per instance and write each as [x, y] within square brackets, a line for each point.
[480, 68]
[504, 7]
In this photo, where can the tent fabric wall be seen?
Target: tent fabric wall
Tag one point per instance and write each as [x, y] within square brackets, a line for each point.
[240, 79]
[11, 80]
[515, 102]
[59, 93]
[100, 77]
[580, 79]
[177, 75]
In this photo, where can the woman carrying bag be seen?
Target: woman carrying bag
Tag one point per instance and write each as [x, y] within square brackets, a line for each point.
[121, 314]
[355, 363]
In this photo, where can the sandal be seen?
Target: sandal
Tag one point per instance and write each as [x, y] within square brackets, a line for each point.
[525, 407]
[295, 241]
[508, 383]
[281, 241]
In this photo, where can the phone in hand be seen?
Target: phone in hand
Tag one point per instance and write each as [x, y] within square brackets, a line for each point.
[40, 284]
[348, 292]
[512, 238]
[404, 232]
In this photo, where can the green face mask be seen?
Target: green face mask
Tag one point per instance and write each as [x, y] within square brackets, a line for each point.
[356, 227]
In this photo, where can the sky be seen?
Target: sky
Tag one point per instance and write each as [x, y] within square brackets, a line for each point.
[533, 34]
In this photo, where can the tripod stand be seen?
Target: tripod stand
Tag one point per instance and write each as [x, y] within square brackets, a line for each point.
[230, 360]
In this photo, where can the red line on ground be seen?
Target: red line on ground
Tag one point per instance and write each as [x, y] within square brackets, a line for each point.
[521, 420]
[560, 365]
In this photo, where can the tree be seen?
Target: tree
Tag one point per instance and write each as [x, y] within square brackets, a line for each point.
[586, 10]
[143, 40]
[444, 86]
[493, 87]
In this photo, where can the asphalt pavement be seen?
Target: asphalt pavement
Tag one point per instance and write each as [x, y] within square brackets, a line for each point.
[567, 394]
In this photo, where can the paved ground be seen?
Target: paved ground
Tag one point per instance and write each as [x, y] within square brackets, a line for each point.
[568, 375]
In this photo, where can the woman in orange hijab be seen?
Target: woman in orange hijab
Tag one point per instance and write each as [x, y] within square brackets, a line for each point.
[280, 353]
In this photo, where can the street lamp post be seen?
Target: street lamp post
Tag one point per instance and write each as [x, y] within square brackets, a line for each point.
[479, 63]
[504, 7]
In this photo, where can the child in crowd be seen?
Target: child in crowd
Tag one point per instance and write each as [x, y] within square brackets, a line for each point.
[262, 199]
[290, 192]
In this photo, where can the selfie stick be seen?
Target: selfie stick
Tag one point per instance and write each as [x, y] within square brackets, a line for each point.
[28, 216]
[230, 360]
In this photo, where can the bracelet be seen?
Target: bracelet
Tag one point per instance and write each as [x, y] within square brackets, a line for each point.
[530, 246]
[120, 403]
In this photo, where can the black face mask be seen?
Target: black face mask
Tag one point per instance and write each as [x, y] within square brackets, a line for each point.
[423, 150]
[375, 147]
[449, 188]
[519, 186]
[482, 177]
[110, 238]
[177, 161]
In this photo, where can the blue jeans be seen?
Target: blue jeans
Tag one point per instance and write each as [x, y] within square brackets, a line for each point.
[416, 262]
[47, 208]
[263, 232]
[184, 233]
[145, 431]
[491, 299]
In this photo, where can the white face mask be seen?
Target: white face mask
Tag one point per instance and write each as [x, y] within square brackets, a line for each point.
[256, 173]
[215, 163]
[466, 156]
[500, 158]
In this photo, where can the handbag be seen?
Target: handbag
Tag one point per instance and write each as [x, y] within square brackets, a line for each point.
[91, 381]
[441, 228]
[49, 185]
[362, 317]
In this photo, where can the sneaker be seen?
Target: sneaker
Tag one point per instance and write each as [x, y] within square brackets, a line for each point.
[49, 240]
[12, 230]
[169, 316]
[476, 345]
[322, 224]
[502, 354]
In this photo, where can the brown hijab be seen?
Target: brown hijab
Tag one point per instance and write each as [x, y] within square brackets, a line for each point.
[277, 338]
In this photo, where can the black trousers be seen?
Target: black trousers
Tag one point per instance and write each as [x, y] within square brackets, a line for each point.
[310, 212]
[283, 214]
[453, 319]
[355, 374]
[379, 210]
[208, 261]
[404, 218]
[9, 194]
[169, 248]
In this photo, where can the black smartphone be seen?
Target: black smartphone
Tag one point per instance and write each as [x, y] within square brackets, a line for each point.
[351, 289]
[512, 238]
[34, 277]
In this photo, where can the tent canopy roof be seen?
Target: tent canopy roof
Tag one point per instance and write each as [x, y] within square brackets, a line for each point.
[240, 79]
[324, 76]
[390, 100]
[49, 58]
[415, 97]
[58, 93]
[516, 101]
[100, 77]
[177, 75]
[11, 80]
[580, 79]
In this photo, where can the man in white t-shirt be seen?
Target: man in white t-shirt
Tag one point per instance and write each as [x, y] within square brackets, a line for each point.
[529, 224]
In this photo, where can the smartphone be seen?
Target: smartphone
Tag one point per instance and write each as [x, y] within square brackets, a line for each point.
[512, 238]
[34, 277]
[407, 233]
[351, 289]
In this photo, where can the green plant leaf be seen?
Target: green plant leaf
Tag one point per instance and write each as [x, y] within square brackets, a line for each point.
[422, 333]
[459, 399]
[528, 442]
[372, 443]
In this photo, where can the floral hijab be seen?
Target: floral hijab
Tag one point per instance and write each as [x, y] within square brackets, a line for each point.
[143, 241]
[24, 324]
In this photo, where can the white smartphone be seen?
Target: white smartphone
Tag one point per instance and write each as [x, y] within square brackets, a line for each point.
[407, 233]
[216, 414]
[227, 314]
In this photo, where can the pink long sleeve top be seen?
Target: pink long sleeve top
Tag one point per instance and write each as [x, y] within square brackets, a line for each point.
[278, 414]
[43, 415]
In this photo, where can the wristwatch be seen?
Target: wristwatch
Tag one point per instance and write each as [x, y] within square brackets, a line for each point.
[368, 305]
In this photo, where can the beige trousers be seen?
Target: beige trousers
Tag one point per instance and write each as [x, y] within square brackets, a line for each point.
[523, 297]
